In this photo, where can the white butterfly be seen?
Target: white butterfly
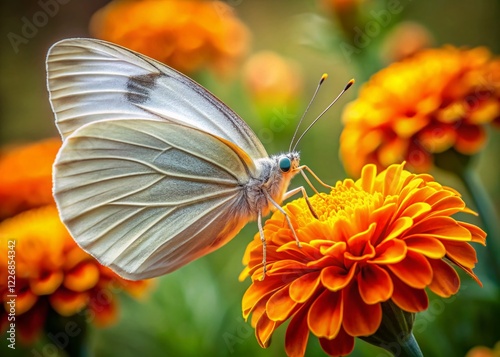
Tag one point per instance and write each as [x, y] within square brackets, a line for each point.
[154, 170]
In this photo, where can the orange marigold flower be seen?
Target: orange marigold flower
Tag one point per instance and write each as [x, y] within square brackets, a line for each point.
[186, 35]
[482, 351]
[26, 179]
[271, 78]
[437, 100]
[382, 239]
[52, 271]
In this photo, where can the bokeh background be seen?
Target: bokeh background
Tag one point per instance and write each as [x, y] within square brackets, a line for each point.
[197, 309]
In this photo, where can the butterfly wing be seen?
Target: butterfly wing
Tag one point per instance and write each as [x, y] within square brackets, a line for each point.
[145, 197]
[91, 80]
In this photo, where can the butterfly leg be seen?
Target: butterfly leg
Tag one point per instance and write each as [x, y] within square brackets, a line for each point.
[263, 239]
[305, 167]
[304, 194]
[278, 207]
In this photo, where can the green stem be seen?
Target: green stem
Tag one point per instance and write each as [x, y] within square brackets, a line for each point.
[409, 348]
[488, 216]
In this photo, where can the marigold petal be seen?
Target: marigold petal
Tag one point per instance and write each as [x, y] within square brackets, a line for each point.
[447, 206]
[325, 314]
[280, 305]
[416, 210]
[408, 298]
[297, 334]
[47, 283]
[304, 287]
[478, 235]
[375, 284]
[430, 247]
[390, 252]
[401, 225]
[67, 303]
[264, 330]
[104, 308]
[342, 345]
[359, 318]
[259, 290]
[470, 139]
[25, 300]
[441, 228]
[368, 175]
[446, 281]
[83, 277]
[336, 278]
[414, 270]
[359, 244]
[461, 252]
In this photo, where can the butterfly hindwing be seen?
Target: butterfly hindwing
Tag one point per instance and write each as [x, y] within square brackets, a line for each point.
[146, 197]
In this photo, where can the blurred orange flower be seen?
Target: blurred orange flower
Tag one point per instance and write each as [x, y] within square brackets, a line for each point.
[272, 80]
[26, 180]
[51, 271]
[187, 35]
[382, 239]
[481, 351]
[437, 100]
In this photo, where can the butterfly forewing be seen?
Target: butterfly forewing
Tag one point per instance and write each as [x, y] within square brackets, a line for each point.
[92, 80]
[146, 197]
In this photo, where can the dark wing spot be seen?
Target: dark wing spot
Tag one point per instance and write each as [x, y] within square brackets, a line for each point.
[140, 87]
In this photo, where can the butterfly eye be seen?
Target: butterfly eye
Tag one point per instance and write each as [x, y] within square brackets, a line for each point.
[285, 164]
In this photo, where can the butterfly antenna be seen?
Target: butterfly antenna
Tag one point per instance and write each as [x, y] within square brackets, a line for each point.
[348, 85]
[323, 77]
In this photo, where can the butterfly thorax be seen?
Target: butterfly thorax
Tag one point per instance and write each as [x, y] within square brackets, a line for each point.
[273, 177]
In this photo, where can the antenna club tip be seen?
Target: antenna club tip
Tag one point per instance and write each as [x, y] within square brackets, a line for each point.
[323, 77]
[349, 84]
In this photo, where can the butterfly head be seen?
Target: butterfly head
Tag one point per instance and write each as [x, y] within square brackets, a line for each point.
[288, 162]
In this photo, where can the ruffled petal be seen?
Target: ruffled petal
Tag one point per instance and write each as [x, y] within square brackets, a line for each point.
[342, 345]
[427, 246]
[408, 298]
[280, 305]
[375, 284]
[335, 278]
[359, 319]
[304, 287]
[446, 281]
[414, 270]
[325, 315]
[297, 334]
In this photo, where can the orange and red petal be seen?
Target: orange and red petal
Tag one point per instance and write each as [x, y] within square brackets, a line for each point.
[414, 270]
[335, 278]
[325, 314]
[297, 333]
[302, 288]
[82, 277]
[280, 305]
[342, 345]
[408, 298]
[375, 284]
[359, 318]
[446, 281]
[427, 246]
